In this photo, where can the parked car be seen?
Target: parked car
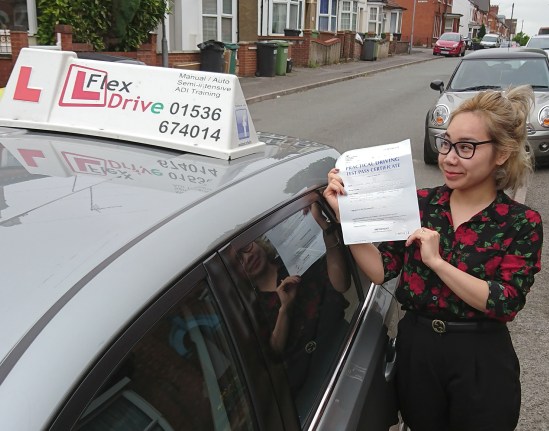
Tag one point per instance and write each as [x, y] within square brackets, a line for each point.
[505, 44]
[541, 42]
[494, 69]
[132, 262]
[450, 44]
[490, 40]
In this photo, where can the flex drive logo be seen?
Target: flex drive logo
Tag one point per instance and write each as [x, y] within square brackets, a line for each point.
[85, 86]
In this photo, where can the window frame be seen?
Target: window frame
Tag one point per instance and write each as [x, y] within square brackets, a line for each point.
[331, 15]
[352, 12]
[289, 25]
[220, 16]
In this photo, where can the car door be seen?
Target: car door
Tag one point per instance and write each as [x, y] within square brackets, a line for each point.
[200, 357]
[340, 328]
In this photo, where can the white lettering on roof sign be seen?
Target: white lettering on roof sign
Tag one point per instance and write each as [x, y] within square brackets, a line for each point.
[200, 112]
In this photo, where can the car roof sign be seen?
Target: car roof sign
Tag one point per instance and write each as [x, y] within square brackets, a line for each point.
[199, 112]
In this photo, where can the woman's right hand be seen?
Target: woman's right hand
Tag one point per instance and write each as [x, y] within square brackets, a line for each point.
[333, 190]
[287, 290]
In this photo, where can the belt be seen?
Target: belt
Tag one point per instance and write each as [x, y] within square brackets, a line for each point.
[442, 326]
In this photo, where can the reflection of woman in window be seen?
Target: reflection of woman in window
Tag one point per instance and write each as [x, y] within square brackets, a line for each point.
[299, 309]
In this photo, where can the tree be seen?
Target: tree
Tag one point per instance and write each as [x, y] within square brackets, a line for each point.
[481, 31]
[521, 38]
[116, 25]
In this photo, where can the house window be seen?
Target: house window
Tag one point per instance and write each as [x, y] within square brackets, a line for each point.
[394, 23]
[286, 14]
[18, 15]
[327, 15]
[218, 20]
[348, 15]
[449, 24]
[374, 20]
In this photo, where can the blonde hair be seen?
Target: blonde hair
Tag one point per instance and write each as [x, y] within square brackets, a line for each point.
[506, 114]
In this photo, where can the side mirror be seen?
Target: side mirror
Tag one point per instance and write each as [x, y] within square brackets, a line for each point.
[437, 84]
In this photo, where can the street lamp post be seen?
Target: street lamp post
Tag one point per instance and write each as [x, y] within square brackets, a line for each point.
[412, 33]
[512, 26]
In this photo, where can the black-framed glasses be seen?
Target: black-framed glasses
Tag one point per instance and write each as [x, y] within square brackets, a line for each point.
[464, 149]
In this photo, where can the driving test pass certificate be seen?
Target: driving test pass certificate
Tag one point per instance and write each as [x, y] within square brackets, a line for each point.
[380, 203]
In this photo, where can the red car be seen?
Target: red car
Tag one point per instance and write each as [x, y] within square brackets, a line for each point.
[450, 44]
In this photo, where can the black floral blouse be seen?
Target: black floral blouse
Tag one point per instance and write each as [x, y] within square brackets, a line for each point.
[501, 244]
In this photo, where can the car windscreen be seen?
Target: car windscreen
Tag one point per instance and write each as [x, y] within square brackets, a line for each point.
[489, 38]
[450, 36]
[538, 42]
[482, 74]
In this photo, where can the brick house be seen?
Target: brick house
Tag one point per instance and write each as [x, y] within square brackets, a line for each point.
[431, 19]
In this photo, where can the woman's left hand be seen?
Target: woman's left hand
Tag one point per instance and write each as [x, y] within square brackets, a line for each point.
[428, 241]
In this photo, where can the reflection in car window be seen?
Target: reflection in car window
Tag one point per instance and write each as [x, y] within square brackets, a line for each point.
[300, 274]
[180, 376]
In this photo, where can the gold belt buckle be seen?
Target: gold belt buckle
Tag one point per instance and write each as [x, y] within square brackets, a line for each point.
[438, 326]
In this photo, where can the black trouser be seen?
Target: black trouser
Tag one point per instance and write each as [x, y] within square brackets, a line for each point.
[457, 381]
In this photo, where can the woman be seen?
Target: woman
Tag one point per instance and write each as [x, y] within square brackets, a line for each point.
[465, 273]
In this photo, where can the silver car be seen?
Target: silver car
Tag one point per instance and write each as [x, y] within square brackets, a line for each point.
[141, 284]
[539, 41]
[497, 68]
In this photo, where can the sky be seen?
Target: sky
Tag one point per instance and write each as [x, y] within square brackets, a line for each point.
[530, 14]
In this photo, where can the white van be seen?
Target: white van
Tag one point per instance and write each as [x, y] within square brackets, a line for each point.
[491, 40]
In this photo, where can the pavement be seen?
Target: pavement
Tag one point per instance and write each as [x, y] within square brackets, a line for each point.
[257, 89]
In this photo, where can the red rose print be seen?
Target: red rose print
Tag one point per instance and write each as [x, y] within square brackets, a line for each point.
[417, 284]
[462, 266]
[502, 209]
[533, 216]
[422, 193]
[509, 291]
[491, 266]
[468, 236]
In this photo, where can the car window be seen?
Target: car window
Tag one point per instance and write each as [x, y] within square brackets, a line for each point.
[300, 273]
[538, 42]
[180, 376]
[450, 37]
[501, 73]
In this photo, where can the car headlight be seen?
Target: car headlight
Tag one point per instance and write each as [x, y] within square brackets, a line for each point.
[543, 116]
[440, 116]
